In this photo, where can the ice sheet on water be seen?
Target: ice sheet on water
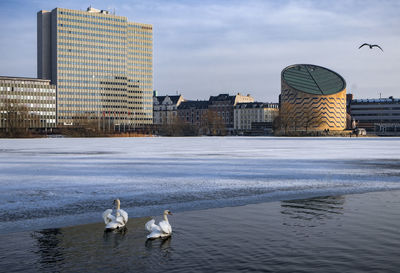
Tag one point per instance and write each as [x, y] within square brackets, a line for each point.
[42, 180]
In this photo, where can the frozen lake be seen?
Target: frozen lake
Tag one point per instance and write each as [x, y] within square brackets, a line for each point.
[67, 181]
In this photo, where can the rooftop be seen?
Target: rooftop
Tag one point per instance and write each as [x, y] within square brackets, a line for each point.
[197, 104]
[174, 99]
[256, 105]
[380, 100]
[313, 79]
[23, 79]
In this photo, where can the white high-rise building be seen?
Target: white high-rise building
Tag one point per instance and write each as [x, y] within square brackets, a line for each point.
[101, 63]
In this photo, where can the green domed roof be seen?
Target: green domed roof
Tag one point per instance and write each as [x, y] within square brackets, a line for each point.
[313, 79]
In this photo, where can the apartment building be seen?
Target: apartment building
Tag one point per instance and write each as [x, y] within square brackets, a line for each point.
[247, 116]
[165, 109]
[223, 105]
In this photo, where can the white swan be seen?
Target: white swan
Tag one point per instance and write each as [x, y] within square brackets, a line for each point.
[119, 220]
[162, 230]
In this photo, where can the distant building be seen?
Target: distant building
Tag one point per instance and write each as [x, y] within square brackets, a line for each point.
[36, 96]
[165, 109]
[381, 116]
[255, 116]
[313, 98]
[101, 63]
[223, 105]
[193, 112]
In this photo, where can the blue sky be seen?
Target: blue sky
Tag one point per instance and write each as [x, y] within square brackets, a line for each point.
[203, 48]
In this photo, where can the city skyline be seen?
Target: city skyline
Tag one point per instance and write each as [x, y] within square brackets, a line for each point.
[202, 47]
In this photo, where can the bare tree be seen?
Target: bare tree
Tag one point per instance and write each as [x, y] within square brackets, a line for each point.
[18, 120]
[213, 124]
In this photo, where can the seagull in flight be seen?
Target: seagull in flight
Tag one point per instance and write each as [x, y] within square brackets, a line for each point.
[370, 46]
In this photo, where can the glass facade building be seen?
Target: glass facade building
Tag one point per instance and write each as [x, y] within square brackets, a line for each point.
[34, 99]
[101, 63]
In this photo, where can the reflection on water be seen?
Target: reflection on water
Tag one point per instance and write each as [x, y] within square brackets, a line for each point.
[161, 246]
[112, 238]
[48, 244]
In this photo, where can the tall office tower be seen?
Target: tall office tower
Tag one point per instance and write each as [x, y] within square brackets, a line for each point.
[101, 64]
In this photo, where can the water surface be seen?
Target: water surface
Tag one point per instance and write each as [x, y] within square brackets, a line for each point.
[351, 233]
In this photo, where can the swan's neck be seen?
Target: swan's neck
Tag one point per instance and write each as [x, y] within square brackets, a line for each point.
[166, 218]
[118, 207]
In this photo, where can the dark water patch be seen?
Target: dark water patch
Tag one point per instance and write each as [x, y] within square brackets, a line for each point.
[352, 233]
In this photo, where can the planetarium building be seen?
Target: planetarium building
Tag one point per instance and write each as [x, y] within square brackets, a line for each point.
[313, 98]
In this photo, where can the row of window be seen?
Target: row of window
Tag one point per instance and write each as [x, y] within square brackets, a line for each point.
[146, 38]
[43, 113]
[105, 77]
[37, 105]
[141, 48]
[23, 97]
[89, 15]
[86, 22]
[130, 59]
[69, 38]
[140, 76]
[108, 53]
[28, 89]
[90, 64]
[140, 43]
[387, 107]
[97, 70]
[93, 28]
[79, 99]
[90, 58]
[92, 34]
[108, 48]
[61, 86]
[108, 77]
[16, 82]
[376, 114]
[139, 32]
[140, 54]
[150, 65]
[140, 70]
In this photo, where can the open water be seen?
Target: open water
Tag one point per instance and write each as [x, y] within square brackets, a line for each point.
[351, 233]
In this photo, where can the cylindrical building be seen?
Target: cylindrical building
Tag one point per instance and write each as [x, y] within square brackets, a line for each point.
[313, 98]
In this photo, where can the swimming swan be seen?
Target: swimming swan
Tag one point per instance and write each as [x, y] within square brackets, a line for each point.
[162, 230]
[119, 220]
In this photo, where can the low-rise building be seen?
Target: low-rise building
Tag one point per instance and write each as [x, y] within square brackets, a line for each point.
[380, 116]
[27, 102]
[255, 117]
[165, 109]
[193, 112]
[223, 105]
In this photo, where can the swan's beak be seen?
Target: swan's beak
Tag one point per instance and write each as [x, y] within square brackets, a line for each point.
[170, 213]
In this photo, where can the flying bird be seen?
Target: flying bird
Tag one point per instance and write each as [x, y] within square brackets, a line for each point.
[370, 46]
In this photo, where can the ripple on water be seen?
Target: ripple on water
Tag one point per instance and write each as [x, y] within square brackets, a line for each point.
[353, 233]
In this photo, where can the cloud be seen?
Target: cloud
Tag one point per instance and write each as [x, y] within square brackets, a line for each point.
[205, 47]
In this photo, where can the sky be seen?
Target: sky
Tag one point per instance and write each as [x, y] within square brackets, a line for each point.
[204, 48]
